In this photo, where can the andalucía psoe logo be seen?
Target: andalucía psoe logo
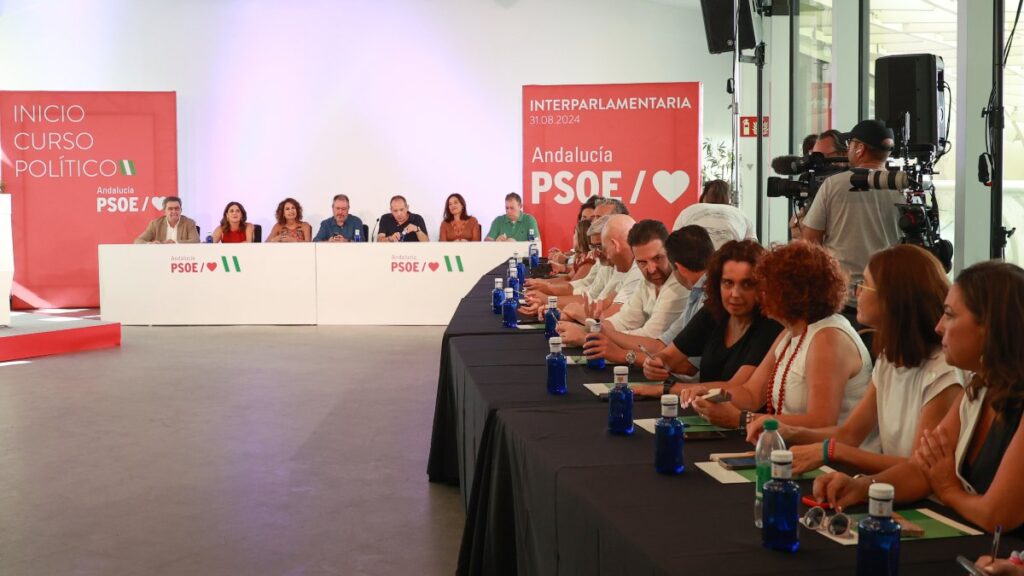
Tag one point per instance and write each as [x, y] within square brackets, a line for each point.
[407, 263]
[127, 167]
[189, 265]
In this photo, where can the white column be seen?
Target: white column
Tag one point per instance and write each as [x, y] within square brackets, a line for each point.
[777, 73]
[6, 260]
[974, 82]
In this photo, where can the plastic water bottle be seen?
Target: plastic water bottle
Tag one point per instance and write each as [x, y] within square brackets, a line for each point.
[557, 381]
[531, 235]
[520, 268]
[508, 310]
[668, 438]
[551, 318]
[209, 238]
[534, 256]
[878, 535]
[620, 404]
[781, 501]
[769, 441]
[513, 282]
[497, 296]
[357, 235]
[594, 327]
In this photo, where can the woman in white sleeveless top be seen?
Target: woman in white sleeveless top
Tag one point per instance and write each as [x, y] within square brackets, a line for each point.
[912, 387]
[974, 459]
[819, 367]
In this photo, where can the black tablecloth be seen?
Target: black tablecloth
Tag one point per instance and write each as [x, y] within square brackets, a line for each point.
[549, 491]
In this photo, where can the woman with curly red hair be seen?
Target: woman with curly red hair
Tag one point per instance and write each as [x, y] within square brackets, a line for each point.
[818, 368]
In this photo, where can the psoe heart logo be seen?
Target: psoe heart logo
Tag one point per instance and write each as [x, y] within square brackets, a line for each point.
[401, 263]
[189, 265]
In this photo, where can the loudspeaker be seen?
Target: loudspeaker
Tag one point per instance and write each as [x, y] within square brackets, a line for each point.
[912, 83]
[718, 25]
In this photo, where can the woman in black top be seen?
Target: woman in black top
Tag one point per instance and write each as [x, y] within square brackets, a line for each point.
[729, 334]
[974, 459]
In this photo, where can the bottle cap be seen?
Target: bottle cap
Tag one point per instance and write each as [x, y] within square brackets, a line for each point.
[555, 340]
[782, 457]
[881, 491]
[621, 370]
[771, 424]
[669, 400]
[497, 282]
[508, 292]
[590, 322]
[513, 272]
[515, 255]
[531, 230]
[552, 301]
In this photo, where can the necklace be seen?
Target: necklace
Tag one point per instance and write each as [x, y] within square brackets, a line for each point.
[772, 409]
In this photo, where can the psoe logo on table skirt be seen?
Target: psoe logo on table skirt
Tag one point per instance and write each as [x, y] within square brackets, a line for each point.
[227, 264]
[407, 263]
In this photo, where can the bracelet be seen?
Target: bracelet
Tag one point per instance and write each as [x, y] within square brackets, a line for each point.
[743, 420]
[825, 450]
[831, 450]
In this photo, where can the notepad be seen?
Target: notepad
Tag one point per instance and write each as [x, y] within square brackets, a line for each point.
[580, 360]
[599, 388]
[693, 424]
[536, 326]
[726, 476]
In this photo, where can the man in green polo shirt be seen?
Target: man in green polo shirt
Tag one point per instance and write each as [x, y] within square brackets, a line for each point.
[515, 225]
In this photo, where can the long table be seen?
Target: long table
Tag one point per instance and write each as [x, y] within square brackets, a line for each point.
[549, 491]
[302, 283]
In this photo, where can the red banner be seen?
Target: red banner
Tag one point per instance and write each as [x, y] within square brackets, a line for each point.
[83, 169]
[639, 143]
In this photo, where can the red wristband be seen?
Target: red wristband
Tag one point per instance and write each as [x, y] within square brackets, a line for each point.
[831, 449]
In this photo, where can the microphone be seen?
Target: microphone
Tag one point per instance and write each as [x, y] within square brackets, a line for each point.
[789, 165]
[863, 179]
[374, 233]
[796, 165]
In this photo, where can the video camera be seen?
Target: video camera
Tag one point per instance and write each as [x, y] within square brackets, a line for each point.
[812, 171]
[919, 214]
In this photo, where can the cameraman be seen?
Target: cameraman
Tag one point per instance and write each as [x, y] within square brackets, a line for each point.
[855, 225]
[831, 144]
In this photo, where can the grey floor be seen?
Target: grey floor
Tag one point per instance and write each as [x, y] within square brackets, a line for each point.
[227, 450]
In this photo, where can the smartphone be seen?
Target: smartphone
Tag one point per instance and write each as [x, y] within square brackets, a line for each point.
[741, 463]
[969, 566]
[718, 398]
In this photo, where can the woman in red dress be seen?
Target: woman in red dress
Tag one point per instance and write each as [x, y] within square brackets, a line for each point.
[233, 226]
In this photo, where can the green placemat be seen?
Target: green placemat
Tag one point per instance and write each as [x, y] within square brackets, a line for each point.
[697, 423]
[933, 528]
[751, 474]
[581, 360]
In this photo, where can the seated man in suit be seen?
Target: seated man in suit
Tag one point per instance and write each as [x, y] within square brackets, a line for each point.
[171, 228]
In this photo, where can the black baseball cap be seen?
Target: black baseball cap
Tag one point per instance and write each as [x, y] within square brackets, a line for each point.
[871, 132]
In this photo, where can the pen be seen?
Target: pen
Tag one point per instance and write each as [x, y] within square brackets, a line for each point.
[995, 542]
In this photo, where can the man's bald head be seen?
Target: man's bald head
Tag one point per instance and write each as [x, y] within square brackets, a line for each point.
[614, 239]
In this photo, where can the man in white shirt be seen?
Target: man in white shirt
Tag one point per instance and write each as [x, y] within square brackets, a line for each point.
[171, 228]
[715, 213]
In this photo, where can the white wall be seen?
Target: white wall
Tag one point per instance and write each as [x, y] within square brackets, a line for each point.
[368, 97]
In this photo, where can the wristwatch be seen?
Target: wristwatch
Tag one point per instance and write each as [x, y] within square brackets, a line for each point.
[630, 357]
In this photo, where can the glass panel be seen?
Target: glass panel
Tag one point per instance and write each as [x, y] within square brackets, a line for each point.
[812, 71]
[1013, 139]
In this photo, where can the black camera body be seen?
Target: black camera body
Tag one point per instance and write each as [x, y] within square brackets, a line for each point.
[811, 172]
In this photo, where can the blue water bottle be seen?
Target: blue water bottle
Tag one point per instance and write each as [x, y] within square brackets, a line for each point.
[357, 235]
[557, 377]
[209, 238]
[520, 267]
[551, 318]
[620, 404]
[513, 282]
[534, 256]
[594, 327]
[508, 310]
[878, 535]
[531, 235]
[497, 296]
[668, 438]
[781, 520]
